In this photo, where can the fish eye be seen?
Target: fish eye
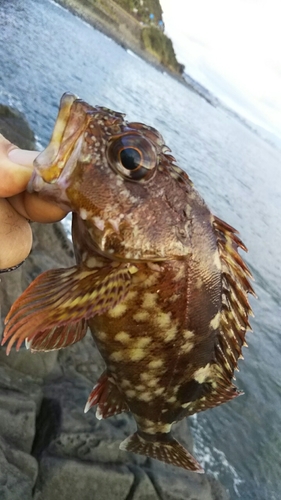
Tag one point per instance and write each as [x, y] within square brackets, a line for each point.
[133, 156]
[130, 158]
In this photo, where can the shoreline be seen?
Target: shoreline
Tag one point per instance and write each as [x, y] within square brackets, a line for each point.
[127, 42]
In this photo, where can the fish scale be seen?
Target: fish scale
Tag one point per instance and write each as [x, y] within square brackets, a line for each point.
[158, 279]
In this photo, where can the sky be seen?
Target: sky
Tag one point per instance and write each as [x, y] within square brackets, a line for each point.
[233, 48]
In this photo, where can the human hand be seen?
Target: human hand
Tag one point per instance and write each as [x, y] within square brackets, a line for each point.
[17, 206]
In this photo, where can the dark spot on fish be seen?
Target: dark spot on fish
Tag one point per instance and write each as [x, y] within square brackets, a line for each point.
[193, 390]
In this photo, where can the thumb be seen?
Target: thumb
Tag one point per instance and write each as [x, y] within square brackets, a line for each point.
[16, 166]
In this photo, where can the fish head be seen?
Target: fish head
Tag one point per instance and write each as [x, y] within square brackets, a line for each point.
[120, 179]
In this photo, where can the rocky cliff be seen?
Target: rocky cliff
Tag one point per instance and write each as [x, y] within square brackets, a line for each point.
[130, 28]
[49, 449]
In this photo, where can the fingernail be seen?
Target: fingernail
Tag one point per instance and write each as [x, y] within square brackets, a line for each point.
[22, 156]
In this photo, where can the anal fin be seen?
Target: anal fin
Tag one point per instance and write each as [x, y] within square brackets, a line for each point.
[107, 396]
[164, 448]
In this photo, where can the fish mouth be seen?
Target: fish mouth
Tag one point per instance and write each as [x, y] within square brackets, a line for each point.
[65, 144]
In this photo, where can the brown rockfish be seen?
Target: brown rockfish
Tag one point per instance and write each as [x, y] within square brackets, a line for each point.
[158, 279]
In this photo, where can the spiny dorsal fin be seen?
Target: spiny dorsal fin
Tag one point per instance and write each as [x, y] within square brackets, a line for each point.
[235, 305]
[233, 321]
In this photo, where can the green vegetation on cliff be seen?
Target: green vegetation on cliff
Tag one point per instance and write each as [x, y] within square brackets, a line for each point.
[158, 44]
[141, 9]
[135, 24]
[153, 40]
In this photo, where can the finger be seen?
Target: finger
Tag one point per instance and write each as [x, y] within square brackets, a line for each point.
[16, 166]
[15, 236]
[30, 206]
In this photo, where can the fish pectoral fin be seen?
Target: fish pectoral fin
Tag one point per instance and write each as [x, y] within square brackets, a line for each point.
[164, 448]
[57, 337]
[64, 297]
[107, 396]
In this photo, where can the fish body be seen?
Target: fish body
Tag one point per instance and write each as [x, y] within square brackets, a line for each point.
[158, 279]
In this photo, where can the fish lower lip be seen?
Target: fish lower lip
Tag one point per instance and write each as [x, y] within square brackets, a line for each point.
[70, 125]
[47, 163]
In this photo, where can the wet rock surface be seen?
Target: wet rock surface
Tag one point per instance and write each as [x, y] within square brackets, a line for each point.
[49, 449]
[14, 126]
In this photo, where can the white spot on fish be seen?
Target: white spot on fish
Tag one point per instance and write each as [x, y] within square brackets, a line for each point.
[215, 322]
[202, 374]
[188, 334]
[153, 382]
[117, 311]
[172, 399]
[141, 316]
[125, 383]
[146, 396]
[156, 363]
[170, 333]
[122, 337]
[187, 347]
[217, 260]
[185, 405]
[137, 354]
[83, 213]
[101, 335]
[93, 262]
[99, 223]
[145, 376]
[163, 320]
[154, 266]
[149, 300]
[140, 387]
[117, 356]
[158, 392]
[131, 393]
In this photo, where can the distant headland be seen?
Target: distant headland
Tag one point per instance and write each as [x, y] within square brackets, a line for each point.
[135, 24]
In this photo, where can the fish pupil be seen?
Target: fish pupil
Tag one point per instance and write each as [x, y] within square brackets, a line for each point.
[130, 158]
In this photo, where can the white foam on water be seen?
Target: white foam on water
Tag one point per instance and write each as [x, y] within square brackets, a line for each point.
[212, 459]
[133, 54]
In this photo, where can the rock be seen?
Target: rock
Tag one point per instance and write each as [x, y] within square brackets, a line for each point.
[18, 431]
[14, 127]
[18, 473]
[217, 489]
[173, 484]
[71, 479]
[143, 487]
[20, 399]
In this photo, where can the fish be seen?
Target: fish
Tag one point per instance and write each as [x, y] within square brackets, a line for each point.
[158, 279]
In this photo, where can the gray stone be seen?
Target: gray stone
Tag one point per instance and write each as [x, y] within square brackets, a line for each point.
[17, 424]
[37, 365]
[18, 472]
[218, 491]
[11, 286]
[14, 381]
[182, 485]
[143, 487]
[14, 127]
[72, 480]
